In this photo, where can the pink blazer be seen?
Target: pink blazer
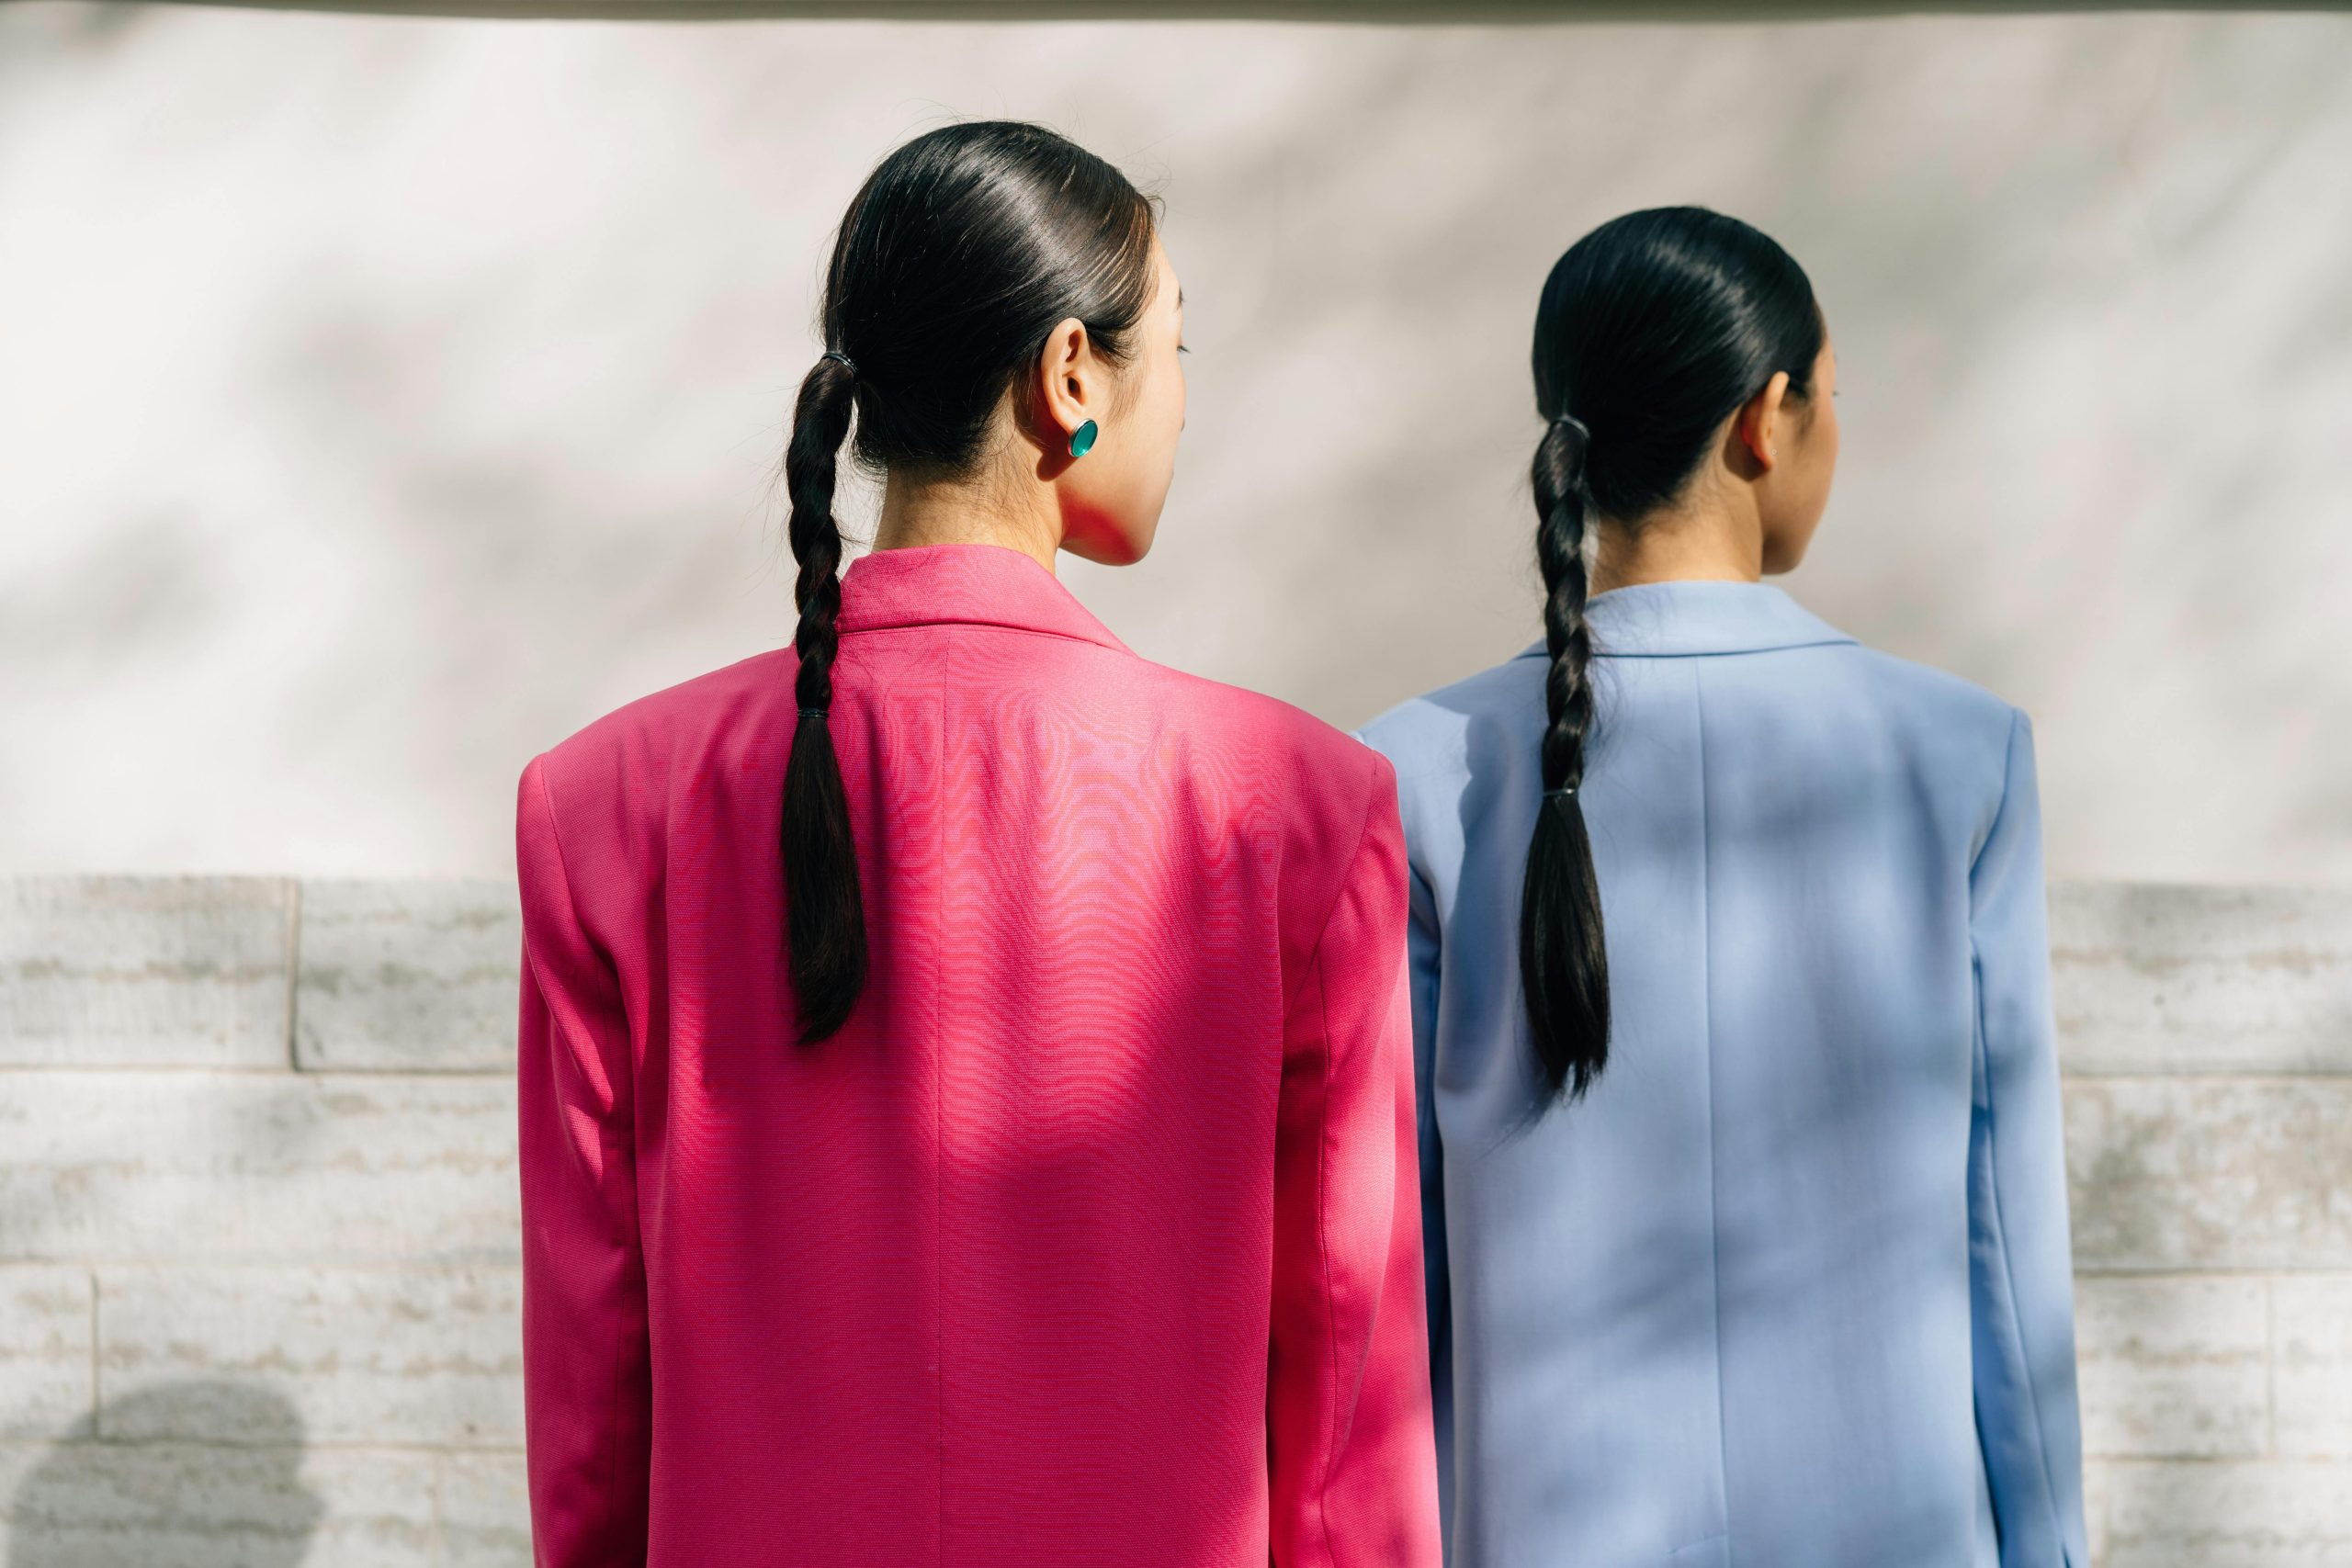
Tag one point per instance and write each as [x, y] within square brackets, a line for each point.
[1094, 1237]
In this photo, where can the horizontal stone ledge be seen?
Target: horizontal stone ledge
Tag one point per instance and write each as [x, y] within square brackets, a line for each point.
[206, 1506]
[485, 1510]
[237, 1168]
[2150, 977]
[394, 976]
[2311, 1317]
[2210, 1174]
[45, 1348]
[407, 975]
[2242, 1079]
[2220, 1514]
[2174, 1368]
[146, 970]
[78, 1437]
[103, 1071]
[2084, 1271]
[421, 1356]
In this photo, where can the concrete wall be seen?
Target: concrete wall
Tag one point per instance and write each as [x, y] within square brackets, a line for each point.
[382, 398]
[258, 1287]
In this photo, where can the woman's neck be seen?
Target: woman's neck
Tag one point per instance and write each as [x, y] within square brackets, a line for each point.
[1709, 540]
[982, 511]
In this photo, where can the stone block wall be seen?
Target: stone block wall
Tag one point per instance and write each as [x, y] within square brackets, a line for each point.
[259, 1294]
[259, 1234]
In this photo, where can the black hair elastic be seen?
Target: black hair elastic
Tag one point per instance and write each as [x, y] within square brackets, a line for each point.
[812, 713]
[1573, 423]
[1562, 792]
[847, 363]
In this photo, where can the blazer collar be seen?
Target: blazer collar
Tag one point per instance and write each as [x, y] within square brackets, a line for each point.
[982, 585]
[1690, 616]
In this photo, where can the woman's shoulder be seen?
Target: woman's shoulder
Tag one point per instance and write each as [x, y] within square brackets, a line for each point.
[1429, 736]
[1910, 735]
[1324, 791]
[1856, 701]
[633, 744]
[1930, 700]
[1268, 726]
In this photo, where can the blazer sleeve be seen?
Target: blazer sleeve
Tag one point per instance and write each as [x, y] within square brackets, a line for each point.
[1353, 1477]
[587, 1389]
[1423, 955]
[2021, 1263]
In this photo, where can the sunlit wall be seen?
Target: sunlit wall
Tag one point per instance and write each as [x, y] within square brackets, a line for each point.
[382, 398]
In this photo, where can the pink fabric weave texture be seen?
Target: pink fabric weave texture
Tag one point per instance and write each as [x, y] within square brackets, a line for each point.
[1094, 1237]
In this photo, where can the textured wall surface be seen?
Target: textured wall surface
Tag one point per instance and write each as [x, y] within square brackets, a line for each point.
[382, 398]
[258, 1298]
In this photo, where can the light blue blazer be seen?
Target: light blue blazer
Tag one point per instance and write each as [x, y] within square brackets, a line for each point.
[1791, 1287]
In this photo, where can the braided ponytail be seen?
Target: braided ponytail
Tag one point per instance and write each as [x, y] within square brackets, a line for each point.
[1563, 961]
[824, 912]
[956, 261]
[1657, 326]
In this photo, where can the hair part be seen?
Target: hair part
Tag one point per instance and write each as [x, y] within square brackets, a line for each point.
[957, 258]
[1652, 331]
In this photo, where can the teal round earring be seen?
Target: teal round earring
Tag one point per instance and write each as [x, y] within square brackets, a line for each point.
[1081, 440]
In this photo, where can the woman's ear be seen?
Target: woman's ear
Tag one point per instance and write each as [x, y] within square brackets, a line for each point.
[1069, 384]
[1759, 422]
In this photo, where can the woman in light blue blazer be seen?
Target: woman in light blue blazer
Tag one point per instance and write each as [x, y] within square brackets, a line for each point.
[1743, 1186]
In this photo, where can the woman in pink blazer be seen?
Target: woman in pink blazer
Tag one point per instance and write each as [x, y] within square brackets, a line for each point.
[966, 1079]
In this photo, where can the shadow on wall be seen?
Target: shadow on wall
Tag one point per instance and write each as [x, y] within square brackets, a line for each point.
[96, 1501]
[407, 445]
